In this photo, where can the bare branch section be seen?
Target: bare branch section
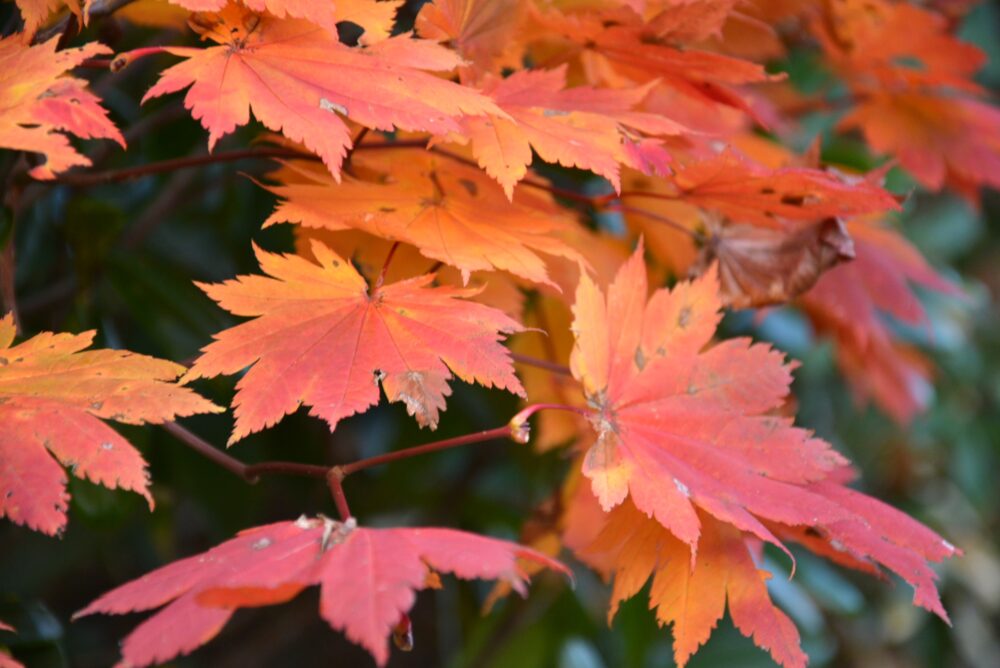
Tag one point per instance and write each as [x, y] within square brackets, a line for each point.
[515, 430]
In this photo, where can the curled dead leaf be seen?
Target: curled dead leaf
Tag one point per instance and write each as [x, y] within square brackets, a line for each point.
[760, 266]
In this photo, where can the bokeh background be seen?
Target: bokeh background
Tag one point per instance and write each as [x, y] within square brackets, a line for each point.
[121, 259]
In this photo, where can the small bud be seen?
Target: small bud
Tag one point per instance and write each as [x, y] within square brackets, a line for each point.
[520, 431]
[119, 62]
[402, 633]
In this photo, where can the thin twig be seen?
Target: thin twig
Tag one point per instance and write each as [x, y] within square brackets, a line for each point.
[8, 296]
[467, 439]
[207, 450]
[541, 364]
[625, 208]
[287, 468]
[515, 430]
[83, 179]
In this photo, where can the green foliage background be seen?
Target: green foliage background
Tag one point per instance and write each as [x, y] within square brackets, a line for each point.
[121, 259]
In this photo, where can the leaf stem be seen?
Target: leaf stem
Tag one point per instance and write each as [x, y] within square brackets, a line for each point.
[122, 60]
[380, 281]
[458, 441]
[625, 208]
[531, 409]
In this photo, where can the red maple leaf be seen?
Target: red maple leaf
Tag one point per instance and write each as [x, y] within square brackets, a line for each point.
[320, 337]
[368, 579]
[849, 303]
[297, 77]
[681, 424]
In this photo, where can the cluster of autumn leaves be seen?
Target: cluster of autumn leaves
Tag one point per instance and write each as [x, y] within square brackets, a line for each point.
[416, 251]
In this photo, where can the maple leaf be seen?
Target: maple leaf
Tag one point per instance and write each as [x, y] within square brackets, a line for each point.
[53, 395]
[38, 103]
[368, 579]
[848, 302]
[747, 192]
[939, 140]
[877, 535]
[581, 127]
[451, 212]
[377, 18]
[319, 337]
[616, 49]
[759, 266]
[297, 78]
[483, 32]
[882, 46]
[678, 426]
[687, 21]
[906, 68]
[367, 253]
[693, 598]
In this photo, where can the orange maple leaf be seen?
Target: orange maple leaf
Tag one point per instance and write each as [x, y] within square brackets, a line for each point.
[678, 426]
[452, 212]
[377, 18]
[583, 127]
[297, 77]
[914, 82]
[320, 337]
[940, 140]
[616, 49]
[368, 580]
[747, 192]
[692, 599]
[895, 46]
[38, 103]
[53, 396]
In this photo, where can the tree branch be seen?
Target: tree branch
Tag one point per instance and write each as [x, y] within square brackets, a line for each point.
[207, 450]
[458, 441]
[514, 429]
[83, 179]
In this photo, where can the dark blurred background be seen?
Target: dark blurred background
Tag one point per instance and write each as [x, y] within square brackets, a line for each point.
[121, 259]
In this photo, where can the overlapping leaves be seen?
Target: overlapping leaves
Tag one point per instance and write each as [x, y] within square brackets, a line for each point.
[38, 103]
[684, 439]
